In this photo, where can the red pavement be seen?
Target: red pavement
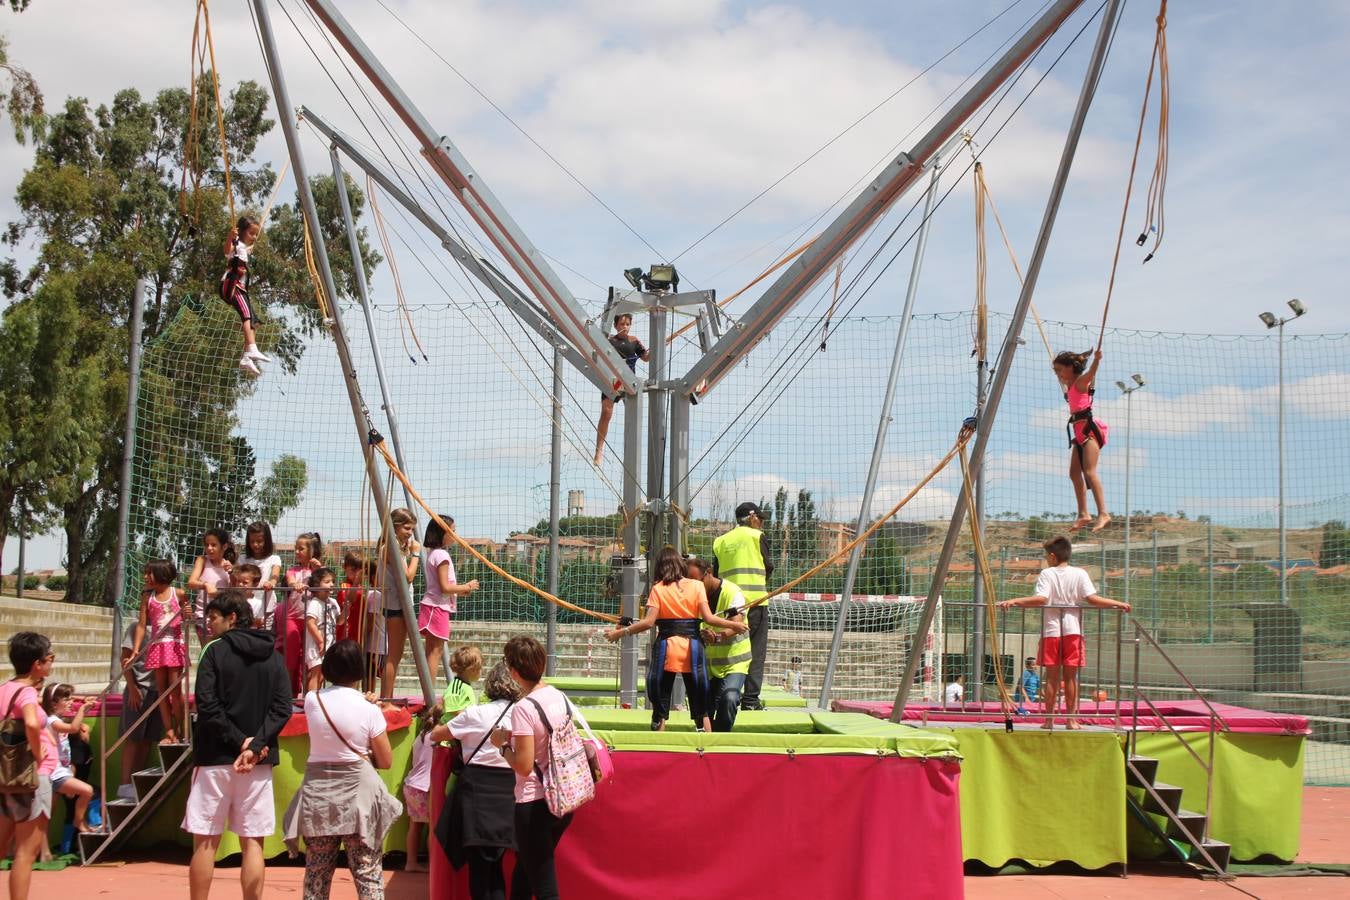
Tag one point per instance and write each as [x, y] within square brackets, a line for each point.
[1326, 839]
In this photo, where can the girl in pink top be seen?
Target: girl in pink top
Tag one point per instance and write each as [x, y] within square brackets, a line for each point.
[443, 592]
[1087, 436]
[210, 573]
[289, 623]
[161, 624]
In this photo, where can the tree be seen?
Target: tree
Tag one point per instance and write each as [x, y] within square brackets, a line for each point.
[1038, 529]
[103, 201]
[1335, 544]
[24, 102]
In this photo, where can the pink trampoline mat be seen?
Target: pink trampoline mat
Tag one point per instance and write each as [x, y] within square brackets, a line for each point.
[1183, 715]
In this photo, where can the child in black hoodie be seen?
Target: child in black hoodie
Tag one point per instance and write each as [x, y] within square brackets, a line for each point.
[243, 700]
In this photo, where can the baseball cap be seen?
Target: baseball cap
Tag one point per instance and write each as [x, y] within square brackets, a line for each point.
[745, 509]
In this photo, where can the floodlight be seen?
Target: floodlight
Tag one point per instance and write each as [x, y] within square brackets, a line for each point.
[634, 276]
[1269, 319]
[1123, 388]
[662, 276]
[1138, 379]
[1298, 308]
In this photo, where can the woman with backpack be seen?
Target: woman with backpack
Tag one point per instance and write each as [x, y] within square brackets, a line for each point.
[538, 722]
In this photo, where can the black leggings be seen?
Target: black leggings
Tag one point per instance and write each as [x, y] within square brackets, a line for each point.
[486, 881]
[537, 834]
[697, 705]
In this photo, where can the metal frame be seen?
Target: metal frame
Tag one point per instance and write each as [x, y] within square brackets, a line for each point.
[485, 209]
[360, 414]
[475, 265]
[1009, 349]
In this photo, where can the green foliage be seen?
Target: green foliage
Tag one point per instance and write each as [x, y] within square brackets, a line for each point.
[582, 526]
[1335, 544]
[24, 101]
[31, 582]
[57, 583]
[103, 202]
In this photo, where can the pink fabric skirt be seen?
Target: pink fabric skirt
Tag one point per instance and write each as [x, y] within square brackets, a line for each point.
[166, 656]
[435, 621]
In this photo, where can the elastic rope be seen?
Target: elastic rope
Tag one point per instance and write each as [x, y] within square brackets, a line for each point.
[473, 551]
[721, 304]
[1134, 162]
[276, 192]
[220, 110]
[404, 314]
[981, 320]
[314, 278]
[987, 576]
[848, 548]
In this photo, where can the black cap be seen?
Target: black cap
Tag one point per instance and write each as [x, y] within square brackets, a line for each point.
[745, 509]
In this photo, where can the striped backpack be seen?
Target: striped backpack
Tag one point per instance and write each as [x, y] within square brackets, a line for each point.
[568, 783]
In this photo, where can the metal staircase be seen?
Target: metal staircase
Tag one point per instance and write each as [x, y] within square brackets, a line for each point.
[1184, 832]
[153, 786]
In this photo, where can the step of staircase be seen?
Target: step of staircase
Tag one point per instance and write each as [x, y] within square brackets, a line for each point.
[1147, 768]
[1168, 794]
[1195, 823]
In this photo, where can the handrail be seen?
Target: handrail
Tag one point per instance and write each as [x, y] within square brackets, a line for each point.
[1139, 628]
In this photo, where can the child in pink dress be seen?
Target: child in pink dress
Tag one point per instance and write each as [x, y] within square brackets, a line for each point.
[290, 626]
[1087, 436]
[161, 623]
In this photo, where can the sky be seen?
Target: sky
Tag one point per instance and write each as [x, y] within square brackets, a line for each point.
[675, 114]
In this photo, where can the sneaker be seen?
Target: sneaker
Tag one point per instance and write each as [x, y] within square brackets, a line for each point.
[752, 705]
[247, 365]
[257, 355]
[126, 792]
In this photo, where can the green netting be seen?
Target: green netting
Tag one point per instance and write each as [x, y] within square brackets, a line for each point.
[792, 427]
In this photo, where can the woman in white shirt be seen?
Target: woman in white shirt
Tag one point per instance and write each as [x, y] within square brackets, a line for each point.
[477, 824]
[342, 800]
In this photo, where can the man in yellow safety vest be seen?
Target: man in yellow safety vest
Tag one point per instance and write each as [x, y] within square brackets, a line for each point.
[728, 652]
[742, 559]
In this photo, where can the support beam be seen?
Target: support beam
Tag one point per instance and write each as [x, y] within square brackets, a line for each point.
[479, 268]
[135, 323]
[852, 224]
[680, 408]
[554, 513]
[360, 414]
[482, 205]
[1009, 349]
[657, 397]
[628, 604]
[879, 444]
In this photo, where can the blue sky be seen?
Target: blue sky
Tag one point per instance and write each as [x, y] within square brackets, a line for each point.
[677, 113]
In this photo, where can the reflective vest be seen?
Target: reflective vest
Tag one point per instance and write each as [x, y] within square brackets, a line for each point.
[739, 561]
[733, 655]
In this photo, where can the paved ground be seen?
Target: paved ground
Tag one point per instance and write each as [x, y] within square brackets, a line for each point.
[1326, 839]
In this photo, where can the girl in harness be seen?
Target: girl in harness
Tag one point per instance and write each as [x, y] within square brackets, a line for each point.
[676, 606]
[234, 287]
[1087, 436]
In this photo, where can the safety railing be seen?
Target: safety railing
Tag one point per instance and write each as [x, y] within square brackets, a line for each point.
[1021, 628]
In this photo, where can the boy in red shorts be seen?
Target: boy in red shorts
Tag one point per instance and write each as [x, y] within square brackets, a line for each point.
[1062, 589]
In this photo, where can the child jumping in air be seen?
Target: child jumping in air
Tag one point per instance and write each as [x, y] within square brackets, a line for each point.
[1087, 436]
[322, 617]
[1062, 589]
[234, 287]
[161, 624]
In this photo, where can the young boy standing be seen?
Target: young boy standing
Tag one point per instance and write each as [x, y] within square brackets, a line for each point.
[1062, 589]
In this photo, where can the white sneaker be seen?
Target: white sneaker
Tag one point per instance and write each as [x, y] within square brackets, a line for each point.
[257, 355]
[247, 365]
[126, 792]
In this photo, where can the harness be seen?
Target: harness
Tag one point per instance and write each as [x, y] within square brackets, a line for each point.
[656, 664]
[1090, 427]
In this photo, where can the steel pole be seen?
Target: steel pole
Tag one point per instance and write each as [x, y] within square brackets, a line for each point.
[1129, 431]
[554, 512]
[360, 415]
[657, 406]
[1209, 531]
[632, 447]
[977, 648]
[135, 323]
[1284, 561]
[879, 442]
[1009, 349]
[23, 542]
[680, 410]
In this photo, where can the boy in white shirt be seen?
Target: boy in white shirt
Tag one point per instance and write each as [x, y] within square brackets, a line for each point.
[1062, 589]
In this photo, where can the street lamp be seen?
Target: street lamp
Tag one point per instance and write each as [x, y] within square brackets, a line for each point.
[1128, 391]
[1272, 322]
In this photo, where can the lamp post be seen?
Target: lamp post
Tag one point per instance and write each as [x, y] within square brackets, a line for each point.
[1128, 391]
[1272, 322]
